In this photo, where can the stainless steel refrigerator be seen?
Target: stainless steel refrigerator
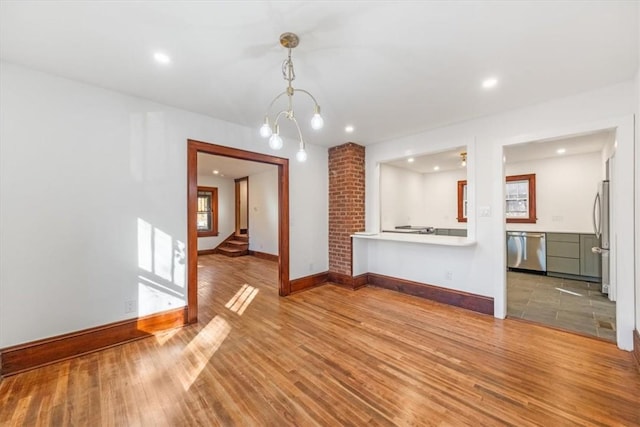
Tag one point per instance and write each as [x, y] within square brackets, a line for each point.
[601, 229]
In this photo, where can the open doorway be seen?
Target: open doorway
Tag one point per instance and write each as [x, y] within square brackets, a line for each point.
[558, 269]
[242, 206]
[195, 147]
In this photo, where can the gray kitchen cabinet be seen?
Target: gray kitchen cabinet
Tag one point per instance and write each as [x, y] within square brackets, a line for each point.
[590, 263]
[563, 253]
[569, 255]
[460, 232]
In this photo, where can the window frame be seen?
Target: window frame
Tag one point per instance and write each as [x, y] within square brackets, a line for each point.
[530, 178]
[461, 201]
[213, 211]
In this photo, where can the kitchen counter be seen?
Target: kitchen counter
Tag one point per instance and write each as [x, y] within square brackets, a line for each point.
[425, 239]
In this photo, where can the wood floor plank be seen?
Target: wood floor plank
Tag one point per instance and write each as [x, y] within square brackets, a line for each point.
[331, 356]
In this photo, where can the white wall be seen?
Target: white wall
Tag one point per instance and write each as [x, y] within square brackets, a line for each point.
[401, 197]
[263, 212]
[565, 188]
[441, 198]
[226, 209]
[91, 183]
[480, 269]
[412, 198]
[637, 183]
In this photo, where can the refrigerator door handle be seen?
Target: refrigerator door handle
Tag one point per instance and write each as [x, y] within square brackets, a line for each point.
[596, 215]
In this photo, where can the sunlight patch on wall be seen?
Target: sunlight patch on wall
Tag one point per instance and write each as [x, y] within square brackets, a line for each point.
[162, 261]
[145, 259]
[241, 300]
[201, 349]
[154, 299]
[163, 254]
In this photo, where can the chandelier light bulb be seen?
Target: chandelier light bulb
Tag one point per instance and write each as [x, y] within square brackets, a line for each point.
[265, 130]
[275, 142]
[301, 155]
[317, 121]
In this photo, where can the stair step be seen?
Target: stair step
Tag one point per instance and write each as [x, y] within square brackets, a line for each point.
[237, 243]
[230, 251]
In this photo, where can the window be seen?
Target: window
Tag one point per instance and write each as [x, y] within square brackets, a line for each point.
[462, 201]
[520, 203]
[207, 215]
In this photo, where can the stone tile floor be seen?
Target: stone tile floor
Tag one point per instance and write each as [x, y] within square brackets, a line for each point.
[568, 304]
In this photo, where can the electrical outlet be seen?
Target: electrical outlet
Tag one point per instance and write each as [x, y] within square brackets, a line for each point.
[448, 275]
[130, 306]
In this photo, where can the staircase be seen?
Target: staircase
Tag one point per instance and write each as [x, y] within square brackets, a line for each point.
[236, 245]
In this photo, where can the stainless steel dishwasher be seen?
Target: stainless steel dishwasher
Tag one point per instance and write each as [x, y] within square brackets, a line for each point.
[527, 250]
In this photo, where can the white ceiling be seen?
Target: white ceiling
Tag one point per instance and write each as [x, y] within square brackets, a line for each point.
[444, 160]
[388, 68]
[544, 149]
[534, 150]
[228, 167]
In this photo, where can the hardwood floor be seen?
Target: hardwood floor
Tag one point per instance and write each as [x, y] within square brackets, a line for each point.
[331, 356]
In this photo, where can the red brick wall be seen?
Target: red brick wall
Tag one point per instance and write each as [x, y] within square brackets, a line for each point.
[346, 203]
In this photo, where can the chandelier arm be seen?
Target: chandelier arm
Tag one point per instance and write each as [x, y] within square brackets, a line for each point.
[274, 100]
[286, 114]
[299, 132]
[311, 96]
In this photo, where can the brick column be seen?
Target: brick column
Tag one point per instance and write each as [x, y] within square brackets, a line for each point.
[346, 207]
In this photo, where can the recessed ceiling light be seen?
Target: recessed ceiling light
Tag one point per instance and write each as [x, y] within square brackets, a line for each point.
[436, 168]
[161, 58]
[490, 83]
[561, 151]
[349, 129]
[216, 172]
[410, 160]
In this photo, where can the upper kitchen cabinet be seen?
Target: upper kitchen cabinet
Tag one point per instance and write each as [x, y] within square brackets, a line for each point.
[420, 191]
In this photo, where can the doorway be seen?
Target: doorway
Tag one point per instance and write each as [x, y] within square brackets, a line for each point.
[195, 147]
[242, 206]
[556, 272]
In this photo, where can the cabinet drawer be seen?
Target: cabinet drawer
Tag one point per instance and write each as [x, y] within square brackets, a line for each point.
[563, 265]
[563, 237]
[563, 249]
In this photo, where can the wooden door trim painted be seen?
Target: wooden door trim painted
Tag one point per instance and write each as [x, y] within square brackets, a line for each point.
[193, 148]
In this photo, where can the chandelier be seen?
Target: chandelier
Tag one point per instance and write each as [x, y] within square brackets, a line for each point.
[289, 41]
[463, 155]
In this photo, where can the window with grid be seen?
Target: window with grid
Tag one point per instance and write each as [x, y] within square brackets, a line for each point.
[207, 213]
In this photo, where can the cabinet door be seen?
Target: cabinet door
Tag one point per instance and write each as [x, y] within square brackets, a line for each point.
[590, 263]
[563, 249]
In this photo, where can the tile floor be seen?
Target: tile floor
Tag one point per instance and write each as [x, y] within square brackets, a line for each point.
[568, 304]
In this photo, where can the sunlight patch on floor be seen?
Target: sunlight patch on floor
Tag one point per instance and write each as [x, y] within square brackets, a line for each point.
[241, 300]
[201, 349]
[162, 338]
[569, 292]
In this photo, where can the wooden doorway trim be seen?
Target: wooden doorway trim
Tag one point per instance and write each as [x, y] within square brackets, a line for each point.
[195, 147]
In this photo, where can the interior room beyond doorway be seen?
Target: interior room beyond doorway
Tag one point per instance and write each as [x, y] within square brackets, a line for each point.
[558, 270]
